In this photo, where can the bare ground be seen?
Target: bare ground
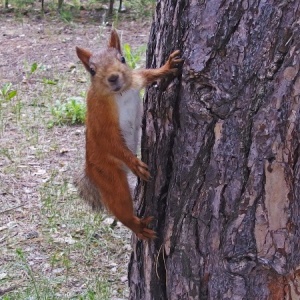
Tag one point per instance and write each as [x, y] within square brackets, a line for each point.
[51, 245]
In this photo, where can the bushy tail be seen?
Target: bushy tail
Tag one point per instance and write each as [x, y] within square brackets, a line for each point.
[88, 191]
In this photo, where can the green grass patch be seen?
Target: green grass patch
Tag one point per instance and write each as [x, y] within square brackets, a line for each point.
[71, 112]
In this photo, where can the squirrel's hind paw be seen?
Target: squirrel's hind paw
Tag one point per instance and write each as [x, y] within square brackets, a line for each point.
[146, 233]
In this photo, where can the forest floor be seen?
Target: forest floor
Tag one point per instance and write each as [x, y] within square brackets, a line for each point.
[51, 245]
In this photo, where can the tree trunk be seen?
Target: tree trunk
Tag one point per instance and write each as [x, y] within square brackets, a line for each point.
[222, 143]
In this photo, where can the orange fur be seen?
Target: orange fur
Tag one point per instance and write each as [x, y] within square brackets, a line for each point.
[107, 153]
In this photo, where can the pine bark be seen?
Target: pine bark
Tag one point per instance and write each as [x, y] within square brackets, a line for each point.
[222, 143]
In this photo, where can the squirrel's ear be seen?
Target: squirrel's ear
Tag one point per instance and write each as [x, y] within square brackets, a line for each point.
[114, 41]
[84, 56]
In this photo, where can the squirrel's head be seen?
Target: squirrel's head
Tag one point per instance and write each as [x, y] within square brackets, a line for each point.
[108, 69]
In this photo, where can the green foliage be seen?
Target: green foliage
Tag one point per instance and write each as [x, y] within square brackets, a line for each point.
[7, 93]
[69, 9]
[49, 81]
[33, 67]
[141, 8]
[29, 271]
[21, 4]
[66, 15]
[72, 112]
[100, 291]
[30, 69]
[133, 57]
[5, 153]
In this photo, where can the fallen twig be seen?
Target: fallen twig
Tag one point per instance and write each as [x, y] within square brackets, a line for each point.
[12, 208]
[2, 292]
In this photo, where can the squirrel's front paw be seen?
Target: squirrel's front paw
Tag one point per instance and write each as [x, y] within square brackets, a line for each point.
[174, 60]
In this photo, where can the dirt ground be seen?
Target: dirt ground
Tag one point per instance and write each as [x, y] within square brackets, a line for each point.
[51, 245]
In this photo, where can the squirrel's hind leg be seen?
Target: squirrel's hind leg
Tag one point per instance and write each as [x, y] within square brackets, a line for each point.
[117, 199]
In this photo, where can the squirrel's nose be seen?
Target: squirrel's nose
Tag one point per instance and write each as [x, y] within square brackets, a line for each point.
[113, 78]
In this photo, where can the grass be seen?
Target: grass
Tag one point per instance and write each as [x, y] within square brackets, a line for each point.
[51, 245]
[75, 247]
[7, 93]
[133, 57]
[71, 112]
[69, 249]
[70, 10]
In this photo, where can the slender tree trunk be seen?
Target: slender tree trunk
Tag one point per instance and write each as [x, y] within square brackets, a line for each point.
[60, 4]
[111, 7]
[222, 143]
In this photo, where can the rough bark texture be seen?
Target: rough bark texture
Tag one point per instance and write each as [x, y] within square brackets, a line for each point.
[222, 143]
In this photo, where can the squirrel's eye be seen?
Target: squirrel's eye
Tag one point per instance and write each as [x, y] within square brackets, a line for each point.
[123, 61]
[92, 71]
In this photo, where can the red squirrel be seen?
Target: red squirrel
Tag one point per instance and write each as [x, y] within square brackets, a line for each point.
[112, 131]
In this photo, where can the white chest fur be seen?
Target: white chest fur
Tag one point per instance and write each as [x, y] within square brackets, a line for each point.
[130, 115]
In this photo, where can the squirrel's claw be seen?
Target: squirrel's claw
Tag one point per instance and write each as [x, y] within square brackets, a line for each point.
[174, 54]
[141, 170]
[174, 62]
[146, 233]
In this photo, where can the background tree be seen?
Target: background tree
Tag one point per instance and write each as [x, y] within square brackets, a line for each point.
[222, 143]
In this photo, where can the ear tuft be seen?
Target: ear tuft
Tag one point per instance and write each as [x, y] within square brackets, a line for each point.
[84, 55]
[114, 41]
